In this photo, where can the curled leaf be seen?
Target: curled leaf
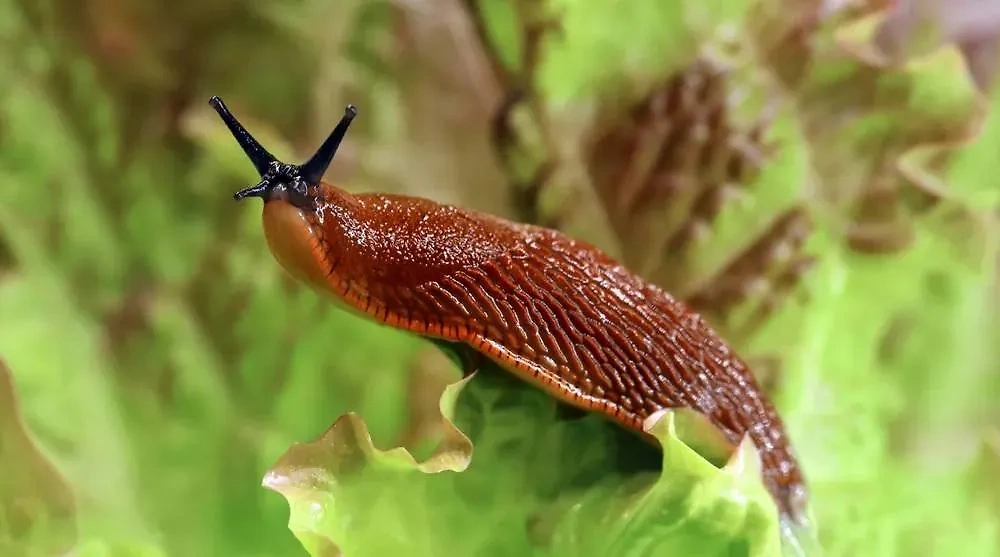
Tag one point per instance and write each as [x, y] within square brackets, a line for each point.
[37, 506]
[701, 182]
[912, 27]
[690, 508]
[882, 130]
[311, 475]
[885, 100]
[665, 169]
[764, 274]
[540, 485]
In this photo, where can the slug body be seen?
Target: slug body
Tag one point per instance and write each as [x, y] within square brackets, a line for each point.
[556, 312]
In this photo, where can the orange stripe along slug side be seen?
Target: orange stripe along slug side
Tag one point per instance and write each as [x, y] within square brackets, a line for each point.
[554, 311]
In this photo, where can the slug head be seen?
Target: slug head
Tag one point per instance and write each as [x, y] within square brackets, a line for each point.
[293, 196]
[279, 180]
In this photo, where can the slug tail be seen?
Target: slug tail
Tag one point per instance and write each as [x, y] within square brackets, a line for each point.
[798, 537]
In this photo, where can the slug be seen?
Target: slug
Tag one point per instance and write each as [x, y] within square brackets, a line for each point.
[556, 312]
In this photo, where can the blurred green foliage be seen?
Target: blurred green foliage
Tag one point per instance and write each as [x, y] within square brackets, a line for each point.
[164, 362]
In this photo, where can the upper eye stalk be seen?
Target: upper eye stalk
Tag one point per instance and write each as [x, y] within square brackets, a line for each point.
[274, 173]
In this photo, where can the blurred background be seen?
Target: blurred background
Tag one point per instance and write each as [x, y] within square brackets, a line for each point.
[818, 178]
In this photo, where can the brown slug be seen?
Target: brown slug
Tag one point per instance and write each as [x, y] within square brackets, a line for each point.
[554, 311]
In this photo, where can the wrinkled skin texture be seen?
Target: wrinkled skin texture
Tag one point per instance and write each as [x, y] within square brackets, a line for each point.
[554, 311]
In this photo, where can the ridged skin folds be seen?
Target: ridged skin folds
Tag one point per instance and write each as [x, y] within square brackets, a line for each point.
[556, 312]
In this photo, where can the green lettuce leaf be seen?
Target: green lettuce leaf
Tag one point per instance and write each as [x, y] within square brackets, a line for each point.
[309, 476]
[37, 504]
[346, 495]
[691, 508]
